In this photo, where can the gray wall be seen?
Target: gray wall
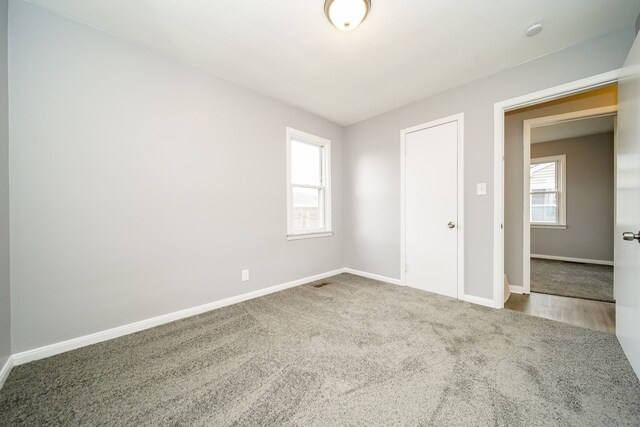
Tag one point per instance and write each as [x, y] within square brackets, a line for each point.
[372, 180]
[514, 174]
[136, 180]
[141, 186]
[590, 187]
[5, 297]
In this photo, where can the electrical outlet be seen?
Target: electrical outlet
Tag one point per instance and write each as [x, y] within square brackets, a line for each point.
[481, 189]
[245, 275]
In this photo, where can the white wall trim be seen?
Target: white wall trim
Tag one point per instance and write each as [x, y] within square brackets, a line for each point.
[459, 118]
[6, 370]
[86, 340]
[615, 192]
[74, 343]
[548, 227]
[373, 276]
[487, 302]
[516, 289]
[499, 109]
[607, 110]
[570, 259]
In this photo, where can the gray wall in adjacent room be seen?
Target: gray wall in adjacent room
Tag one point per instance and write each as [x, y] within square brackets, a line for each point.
[590, 187]
[372, 153]
[141, 186]
[5, 293]
[514, 172]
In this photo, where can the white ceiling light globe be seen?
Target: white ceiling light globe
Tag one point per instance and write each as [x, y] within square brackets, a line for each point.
[346, 15]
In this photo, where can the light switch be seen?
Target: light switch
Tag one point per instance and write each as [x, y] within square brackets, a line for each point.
[482, 189]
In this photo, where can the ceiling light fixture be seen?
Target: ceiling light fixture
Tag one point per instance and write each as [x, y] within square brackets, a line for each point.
[346, 15]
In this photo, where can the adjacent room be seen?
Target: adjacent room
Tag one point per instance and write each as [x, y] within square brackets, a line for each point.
[560, 208]
[577, 263]
[320, 212]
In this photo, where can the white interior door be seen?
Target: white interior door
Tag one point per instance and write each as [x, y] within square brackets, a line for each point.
[431, 209]
[627, 252]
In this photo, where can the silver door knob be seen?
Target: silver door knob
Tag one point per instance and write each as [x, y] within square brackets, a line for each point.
[451, 224]
[631, 236]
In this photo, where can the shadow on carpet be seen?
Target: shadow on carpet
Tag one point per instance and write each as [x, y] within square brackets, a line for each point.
[571, 279]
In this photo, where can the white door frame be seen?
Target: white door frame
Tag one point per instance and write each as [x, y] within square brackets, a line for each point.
[459, 119]
[499, 109]
[610, 110]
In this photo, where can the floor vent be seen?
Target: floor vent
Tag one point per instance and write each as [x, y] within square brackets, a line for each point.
[321, 284]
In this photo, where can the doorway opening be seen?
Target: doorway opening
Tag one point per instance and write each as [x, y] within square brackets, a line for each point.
[559, 204]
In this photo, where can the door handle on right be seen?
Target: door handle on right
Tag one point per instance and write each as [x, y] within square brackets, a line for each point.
[630, 236]
[451, 224]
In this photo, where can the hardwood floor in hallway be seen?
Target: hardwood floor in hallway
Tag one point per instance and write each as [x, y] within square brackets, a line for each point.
[596, 315]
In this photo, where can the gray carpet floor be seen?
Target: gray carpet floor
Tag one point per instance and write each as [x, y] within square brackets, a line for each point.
[354, 352]
[570, 279]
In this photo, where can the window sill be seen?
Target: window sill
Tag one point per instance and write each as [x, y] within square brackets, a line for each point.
[552, 227]
[309, 235]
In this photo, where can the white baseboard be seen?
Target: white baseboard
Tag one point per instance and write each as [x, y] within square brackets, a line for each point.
[468, 298]
[487, 302]
[516, 289]
[6, 370]
[564, 258]
[72, 344]
[373, 276]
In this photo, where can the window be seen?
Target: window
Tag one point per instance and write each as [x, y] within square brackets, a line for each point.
[308, 185]
[548, 191]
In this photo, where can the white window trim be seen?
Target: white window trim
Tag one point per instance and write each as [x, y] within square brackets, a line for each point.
[326, 185]
[562, 190]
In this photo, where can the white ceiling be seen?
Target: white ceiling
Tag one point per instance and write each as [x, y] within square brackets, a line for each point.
[404, 51]
[572, 129]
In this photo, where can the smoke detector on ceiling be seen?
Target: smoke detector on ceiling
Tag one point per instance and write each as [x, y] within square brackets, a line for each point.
[534, 29]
